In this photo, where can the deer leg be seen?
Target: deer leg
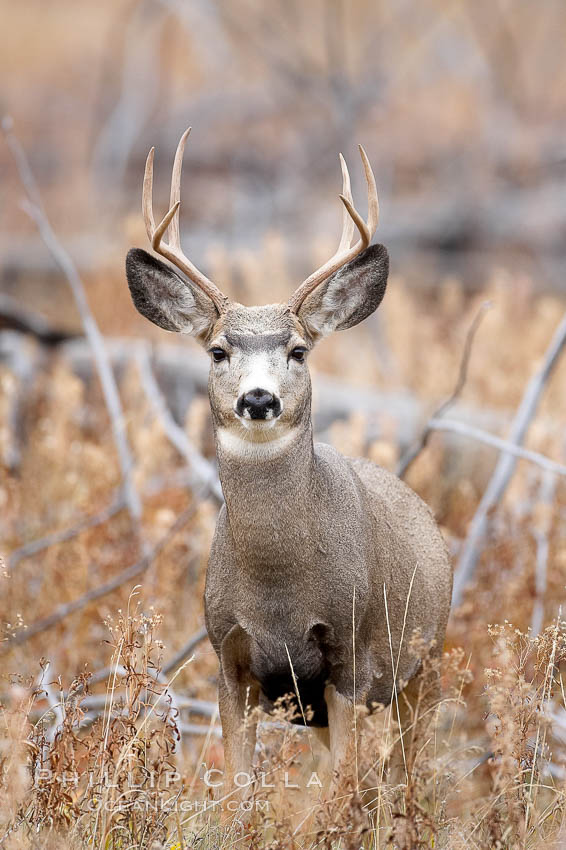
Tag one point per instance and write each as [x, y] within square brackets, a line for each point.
[238, 697]
[238, 732]
[323, 735]
[342, 738]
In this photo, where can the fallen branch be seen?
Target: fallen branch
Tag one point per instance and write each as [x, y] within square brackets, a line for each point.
[34, 207]
[182, 375]
[506, 464]
[414, 451]
[13, 316]
[126, 575]
[488, 439]
[102, 675]
[187, 375]
[201, 707]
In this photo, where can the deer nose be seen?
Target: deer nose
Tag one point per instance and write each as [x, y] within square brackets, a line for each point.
[259, 404]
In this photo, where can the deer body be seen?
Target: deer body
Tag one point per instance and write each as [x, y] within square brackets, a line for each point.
[308, 586]
[322, 566]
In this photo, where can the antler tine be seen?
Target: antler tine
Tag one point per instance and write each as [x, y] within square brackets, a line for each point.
[365, 235]
[147, 196]
[175, 198]
[373, 200]
[351, 218]
[162, 227]
[347, 222]
[172, 250]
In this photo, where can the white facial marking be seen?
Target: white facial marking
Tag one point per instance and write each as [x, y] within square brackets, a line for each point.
[260, 375]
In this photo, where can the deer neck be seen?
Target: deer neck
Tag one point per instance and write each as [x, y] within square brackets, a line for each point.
[268, 489]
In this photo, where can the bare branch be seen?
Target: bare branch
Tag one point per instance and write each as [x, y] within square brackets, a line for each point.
[35, 210]
[139, 82]
[102, 675]
[202, 707]
[82, 524]
[122, 578]
[502, 445]
[506, 465]
[180, 478]
[204, 471]
[180, 656]
[412, 453]
[185, 652]
[23, 360]
[16, 317]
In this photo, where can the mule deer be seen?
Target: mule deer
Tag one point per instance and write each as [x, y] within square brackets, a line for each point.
[322, 566]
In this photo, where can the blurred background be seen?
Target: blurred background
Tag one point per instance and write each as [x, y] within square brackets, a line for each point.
[461, 107]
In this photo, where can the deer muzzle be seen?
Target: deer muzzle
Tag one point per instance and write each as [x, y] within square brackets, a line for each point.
[258, 404]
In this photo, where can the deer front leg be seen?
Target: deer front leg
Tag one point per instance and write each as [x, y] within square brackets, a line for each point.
[238, 696]
[341, 729]
[238, 732]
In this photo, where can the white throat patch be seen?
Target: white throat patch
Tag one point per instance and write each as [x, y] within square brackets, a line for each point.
[255, 443]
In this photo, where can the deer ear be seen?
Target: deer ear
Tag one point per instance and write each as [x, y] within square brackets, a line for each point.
[166, 299]
[349, 296]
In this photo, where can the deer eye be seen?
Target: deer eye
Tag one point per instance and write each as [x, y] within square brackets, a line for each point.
[218, 354]
[298, 353]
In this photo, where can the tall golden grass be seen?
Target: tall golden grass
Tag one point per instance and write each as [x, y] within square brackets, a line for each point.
[486, 771]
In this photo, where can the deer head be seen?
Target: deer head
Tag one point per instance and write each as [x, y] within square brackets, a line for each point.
[259, 383]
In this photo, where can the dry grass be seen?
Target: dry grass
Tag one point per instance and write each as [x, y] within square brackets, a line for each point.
[488, 771]
[117, 778]
[463, 100]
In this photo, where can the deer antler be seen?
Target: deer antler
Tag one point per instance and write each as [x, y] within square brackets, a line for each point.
[172, 250]
[350, 217]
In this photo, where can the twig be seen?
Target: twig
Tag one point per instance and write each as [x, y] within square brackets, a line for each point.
[82, 524]
[174, 665]
[180, 478]
[174, 662]
[34, 207]
[102, 675]
[481, 436]
[506, 464]
[126, 575]
[204, 470]
[186, 650]
[414, 451]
